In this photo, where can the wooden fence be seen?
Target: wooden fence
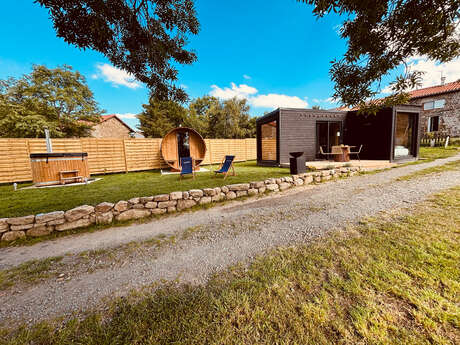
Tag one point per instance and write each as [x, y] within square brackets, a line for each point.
[433, 139]
[110, 155]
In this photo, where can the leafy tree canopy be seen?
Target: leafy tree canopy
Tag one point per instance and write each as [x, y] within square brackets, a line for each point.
[383, 34]
[143, 37]
[57, 99]
[159, 117]
[230, 119]
[208, 115]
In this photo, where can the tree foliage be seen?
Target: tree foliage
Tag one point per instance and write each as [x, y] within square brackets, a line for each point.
[230, 119]
[383, 34]
[143, 37]
[208, 115]
[57, 99]
[159, 117]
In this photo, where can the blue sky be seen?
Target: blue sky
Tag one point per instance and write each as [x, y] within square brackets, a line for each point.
[275, 53]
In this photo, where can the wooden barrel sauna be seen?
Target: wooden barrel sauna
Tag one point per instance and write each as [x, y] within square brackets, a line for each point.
[59, 168]
[182, 142]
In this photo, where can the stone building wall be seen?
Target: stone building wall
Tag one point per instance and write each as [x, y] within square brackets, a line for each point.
[111, 128]
[449, 116]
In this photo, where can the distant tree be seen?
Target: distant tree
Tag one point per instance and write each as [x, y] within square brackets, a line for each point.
[208, 115]
[57, 99]
[199, 111]
[317, 107]
[159, 117]
[146, 38]
[230, 119]
[383, 34]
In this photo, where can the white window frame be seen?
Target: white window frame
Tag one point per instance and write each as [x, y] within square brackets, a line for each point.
[439, 103]
[435, 104]
[428, 105]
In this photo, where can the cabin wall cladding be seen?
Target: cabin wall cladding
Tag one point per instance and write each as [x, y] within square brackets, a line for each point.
[110, 155]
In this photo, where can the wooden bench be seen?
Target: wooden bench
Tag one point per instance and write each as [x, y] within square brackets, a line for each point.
[63, 179]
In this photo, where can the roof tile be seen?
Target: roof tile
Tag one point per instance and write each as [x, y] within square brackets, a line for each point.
[435, 90]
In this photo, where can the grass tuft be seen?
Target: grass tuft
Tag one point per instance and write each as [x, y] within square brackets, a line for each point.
[30, 272]
[455, 165]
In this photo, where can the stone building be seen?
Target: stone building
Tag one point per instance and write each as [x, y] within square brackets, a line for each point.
[111, 126]
[440, 108]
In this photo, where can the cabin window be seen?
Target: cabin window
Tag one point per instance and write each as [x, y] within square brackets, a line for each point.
[268, 141]
[433, 124]
[438, 104]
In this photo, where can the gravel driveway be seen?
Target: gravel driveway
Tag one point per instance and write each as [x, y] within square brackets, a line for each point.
[231, 233]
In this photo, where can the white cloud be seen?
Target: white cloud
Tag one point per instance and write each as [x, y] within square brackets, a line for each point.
[116, 76]
[433, 71]
[271, 100]
[238, 91]
[329, 100]
[127, 116]
[245, 76]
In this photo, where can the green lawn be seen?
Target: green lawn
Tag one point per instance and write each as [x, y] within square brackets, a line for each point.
[455, 165]
[387, 281]
[117, 187]
[432, 153]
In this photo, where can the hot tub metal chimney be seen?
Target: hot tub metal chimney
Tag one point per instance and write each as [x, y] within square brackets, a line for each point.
[49, 145]
[443, 79]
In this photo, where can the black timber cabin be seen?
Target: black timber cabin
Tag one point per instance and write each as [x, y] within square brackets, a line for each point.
[392, 134]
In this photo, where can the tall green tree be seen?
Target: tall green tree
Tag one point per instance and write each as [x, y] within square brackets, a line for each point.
[199, 110]
[146, 38]
[57, 99]
[230, 119]
[159, 117]
[382, 35]
[208, 115]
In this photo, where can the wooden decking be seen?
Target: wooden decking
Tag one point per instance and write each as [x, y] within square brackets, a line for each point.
[364, 164]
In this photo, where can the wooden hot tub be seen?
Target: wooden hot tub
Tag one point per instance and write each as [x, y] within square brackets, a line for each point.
[182, 142]
[59, 168]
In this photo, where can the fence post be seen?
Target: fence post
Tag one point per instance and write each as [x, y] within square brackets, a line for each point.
[210, 152]
[124, 154]
[28, 156]
[447, 142]
[245, 149]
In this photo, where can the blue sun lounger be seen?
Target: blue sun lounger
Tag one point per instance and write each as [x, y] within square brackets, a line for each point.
[225, 167]
[186, 164]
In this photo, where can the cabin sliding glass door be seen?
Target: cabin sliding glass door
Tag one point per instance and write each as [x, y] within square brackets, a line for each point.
[269, 141]
[404, 143]
[328, 134]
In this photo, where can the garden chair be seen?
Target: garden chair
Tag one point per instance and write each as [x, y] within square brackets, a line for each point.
[326, 154]
[187, 165]
[356, 152]
[225, 167]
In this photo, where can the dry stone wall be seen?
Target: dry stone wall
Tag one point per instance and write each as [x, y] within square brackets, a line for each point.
[105, 213]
